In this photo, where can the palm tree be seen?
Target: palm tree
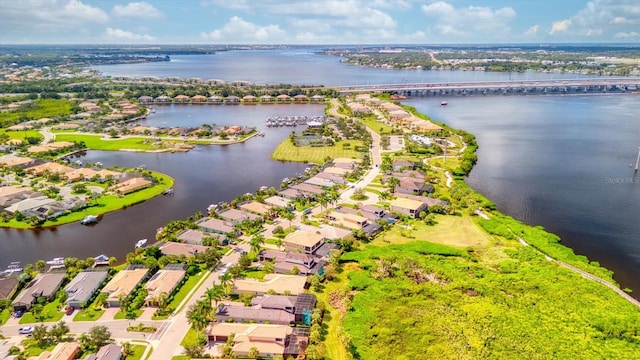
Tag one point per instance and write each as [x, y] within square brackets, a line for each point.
[393, 182]
[256, 243]
[225, 282]
[196, 318]
[289, 216]
[215, 294]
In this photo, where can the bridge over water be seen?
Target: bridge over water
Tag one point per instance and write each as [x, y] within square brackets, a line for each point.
[560, 86]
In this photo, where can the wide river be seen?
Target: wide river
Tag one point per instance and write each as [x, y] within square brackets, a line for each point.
[557, 161]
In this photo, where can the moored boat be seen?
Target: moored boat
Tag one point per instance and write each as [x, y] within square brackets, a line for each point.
[141, 242]
[89, 219]
[444, 103]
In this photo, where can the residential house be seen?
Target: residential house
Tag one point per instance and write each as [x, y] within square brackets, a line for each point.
[165, 281]
[284, 263]
[181, 99]
[300, 98]
[278, 201]
[43, 285]
[123, 284]
[176, 248]
[12, 160]
[256, 208]
[290, 194]
[317, 98]
[413, 186]
[283, 98]
[266, 99]
[399, 165]
[131, 185]
[407, 207]
[145, 99]
[249, 99]
[303, 241]
[62, 351]
[236, 216]
[83, 286]
[318, 181]
[269, 340]
[336, 171]
[232, 100]
[8, 287]
[311, 190]
[336, 179]
[195, 237]
[108, 352]
[215, 99]
[242, 314]
[348, 220]
[216, 226]
[327, 231]
[278, 283]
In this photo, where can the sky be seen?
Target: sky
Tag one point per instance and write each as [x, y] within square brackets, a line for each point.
[318, 22]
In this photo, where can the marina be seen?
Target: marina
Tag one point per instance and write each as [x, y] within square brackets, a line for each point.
[277, 121]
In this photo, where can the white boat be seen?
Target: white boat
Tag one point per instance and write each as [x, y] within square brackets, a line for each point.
[56, 261]
[444, 103]
[89, 219]
[141, 242]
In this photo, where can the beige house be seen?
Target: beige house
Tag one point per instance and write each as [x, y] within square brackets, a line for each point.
[303, 242]
[256, 208]
[131, 185]
[164, 281]
[62, 351]
[280, 284]
[350, 221]
[122, 284]
[407, 207]
[270, 340]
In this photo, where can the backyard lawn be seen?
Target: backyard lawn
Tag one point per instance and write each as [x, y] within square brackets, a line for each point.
[96, 142]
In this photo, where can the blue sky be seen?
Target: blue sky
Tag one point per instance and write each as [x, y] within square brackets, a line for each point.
[318, 21]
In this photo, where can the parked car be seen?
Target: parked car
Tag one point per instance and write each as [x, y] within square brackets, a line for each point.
[25, 330]
[69, 310]
[19, 314]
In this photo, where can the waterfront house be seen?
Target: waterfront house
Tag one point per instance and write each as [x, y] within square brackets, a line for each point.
[266, 99]
[83, 286]
[131, 185]
[278, 283]
[278, 201]
[123, 284]
[311, 190]
[215, 99]
[336, 171]
[181, 99]
[414, 186]
[51, 168]
[12, 160]
[198, 99]
[8, 287]
[44, 285]
[236, 216]
[256, 208]
[165, 281]
[408, 207]
[336, 179]
[300, 98]
[145, 99]
[232, 100]
[215, 225]
[303, 241]
[176, 248]
[290, 194]
[29, 204]
[318, 181]
[163, 99]
[298, 305]
[270, 340]
[317, 98]
[249, 99]
[283, 98]
[195, 237]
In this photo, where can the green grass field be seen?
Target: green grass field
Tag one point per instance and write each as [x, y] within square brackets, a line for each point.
[375, 125]
[21, 135]
[95, 142]
[286, 151]
[38, 109]
[458, 231]
[50, 313]
[89, 314]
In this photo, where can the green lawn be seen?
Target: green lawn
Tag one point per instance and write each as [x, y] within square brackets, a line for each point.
[32, 349]
[95, 142]
[88, 314]
[137, 352]
[21, 135]
[121, 316]
[182, 293]
[286, 151]
[38, 109]
[190, 338]
[459, 231]
[4, 315]
[50, 313]
[375, 125]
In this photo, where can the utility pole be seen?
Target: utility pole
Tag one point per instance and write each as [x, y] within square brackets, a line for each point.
[638, 159]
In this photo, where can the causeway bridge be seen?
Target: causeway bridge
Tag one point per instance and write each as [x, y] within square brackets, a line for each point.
[523, 87]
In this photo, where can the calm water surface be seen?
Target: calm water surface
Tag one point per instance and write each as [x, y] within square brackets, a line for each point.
[561, 162]
[557, 161]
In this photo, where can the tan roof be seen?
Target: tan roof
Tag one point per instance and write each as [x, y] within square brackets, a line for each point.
[336, 170]
[104, 173]
[132, 185]
[62, 351]
[175, 248]
[52, 167]
[261, 336]
[303, 238]
[14, 160]
[406, 203]
[65, 126]
[13, 190]
[123, 283]
[276, 282]
[256, 207]
[350, 221]
[82, 173]
[164, 281]
[60, 144]
[277, 201]
[346, 161]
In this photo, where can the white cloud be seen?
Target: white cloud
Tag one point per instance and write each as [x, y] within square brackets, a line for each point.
[122, 35]
[601, 20]
[627, 35]
[470, 21]
[31, 16]
[136, 10]
[532, 30]
[237, 30]
[560, 26]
